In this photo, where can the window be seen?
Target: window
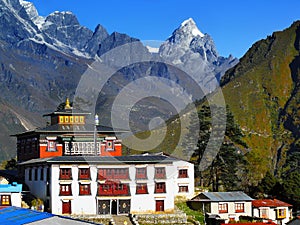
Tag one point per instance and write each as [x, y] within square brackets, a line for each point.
[84, 189]
[84, 174]
[223, 208]
[65, 174]
[81, 118]
[160, 173]
[109, 146]
[121, 173]
[264, 213]
[141, 189]
[183, 189]
[141, 173]
[51, 146]
[36, 174]
[239, 207]
[160, 187]
[183, 173]
[30, 174]
[65, 189]
[66, 119]
[107, 174]
[5, 200]
[42, 174]
[48, 174]
[281, 213]
[113, 189]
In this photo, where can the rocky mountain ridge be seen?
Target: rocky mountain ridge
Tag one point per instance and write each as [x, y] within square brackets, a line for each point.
[42, 59]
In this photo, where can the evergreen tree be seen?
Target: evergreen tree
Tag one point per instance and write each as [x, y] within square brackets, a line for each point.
[224, 167]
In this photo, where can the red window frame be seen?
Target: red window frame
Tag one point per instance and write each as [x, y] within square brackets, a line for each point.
[239, 207]
[65, 189]
[160, 173]
[141, 173]
[65, 174]
[183, 173]
[84, 174]
[84, 189]
[160, 187]
[113, 189]
[109, 145]
[141, 188]
[183, 189]
[223, 208]
[113, 173]
[121, 173]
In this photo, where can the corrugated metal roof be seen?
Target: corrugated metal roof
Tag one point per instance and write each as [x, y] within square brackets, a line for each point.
[58, 220]
[136, 159]
[269, 203]
[222, 196]
[19, 216]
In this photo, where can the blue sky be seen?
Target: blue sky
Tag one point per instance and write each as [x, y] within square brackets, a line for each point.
[234, 25]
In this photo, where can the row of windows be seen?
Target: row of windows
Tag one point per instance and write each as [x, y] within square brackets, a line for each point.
[239, 207]
[118, 173]
[116, 189]
[33, 174]
[103, 174]
[71, 119]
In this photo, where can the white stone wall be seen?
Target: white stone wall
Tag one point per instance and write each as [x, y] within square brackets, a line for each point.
[189, 181]
[87, 204]
[231, 210]
[272, 214]
[16, 199]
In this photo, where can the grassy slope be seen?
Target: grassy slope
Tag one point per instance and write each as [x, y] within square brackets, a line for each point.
[261, 88]
[256, 91]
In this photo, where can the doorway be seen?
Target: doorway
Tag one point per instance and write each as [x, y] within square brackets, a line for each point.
[160, 206]
[66, 207]
[114, 207]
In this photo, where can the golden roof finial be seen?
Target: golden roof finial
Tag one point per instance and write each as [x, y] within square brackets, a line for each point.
[67, 104]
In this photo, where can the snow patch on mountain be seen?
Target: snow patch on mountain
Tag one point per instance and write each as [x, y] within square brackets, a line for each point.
[152, 49]
[191, 25]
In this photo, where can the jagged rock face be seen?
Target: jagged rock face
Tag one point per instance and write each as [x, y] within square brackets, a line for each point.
[188, 47]
[64, 27]
[42, 60]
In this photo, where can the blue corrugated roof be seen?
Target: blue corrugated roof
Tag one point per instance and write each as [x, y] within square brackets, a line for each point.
[8, 188]
[19, 216]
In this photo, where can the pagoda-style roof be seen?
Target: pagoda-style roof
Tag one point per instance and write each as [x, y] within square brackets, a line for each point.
[63, 129]
[67, 109]
[68, 112]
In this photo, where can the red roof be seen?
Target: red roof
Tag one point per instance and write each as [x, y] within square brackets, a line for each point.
[269, 203]
[255, 223]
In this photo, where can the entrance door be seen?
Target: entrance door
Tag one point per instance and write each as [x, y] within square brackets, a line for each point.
[114, 207]
[66, 207]
[104, 207]
[124, 206]
[159, 205]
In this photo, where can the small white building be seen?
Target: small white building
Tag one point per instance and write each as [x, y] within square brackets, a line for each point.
[272, 209]
[228, 206]
[10, 195]
[97, 185]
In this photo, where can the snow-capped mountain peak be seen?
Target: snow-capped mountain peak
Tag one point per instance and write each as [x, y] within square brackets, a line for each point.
[32, 13]
[189, 25]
